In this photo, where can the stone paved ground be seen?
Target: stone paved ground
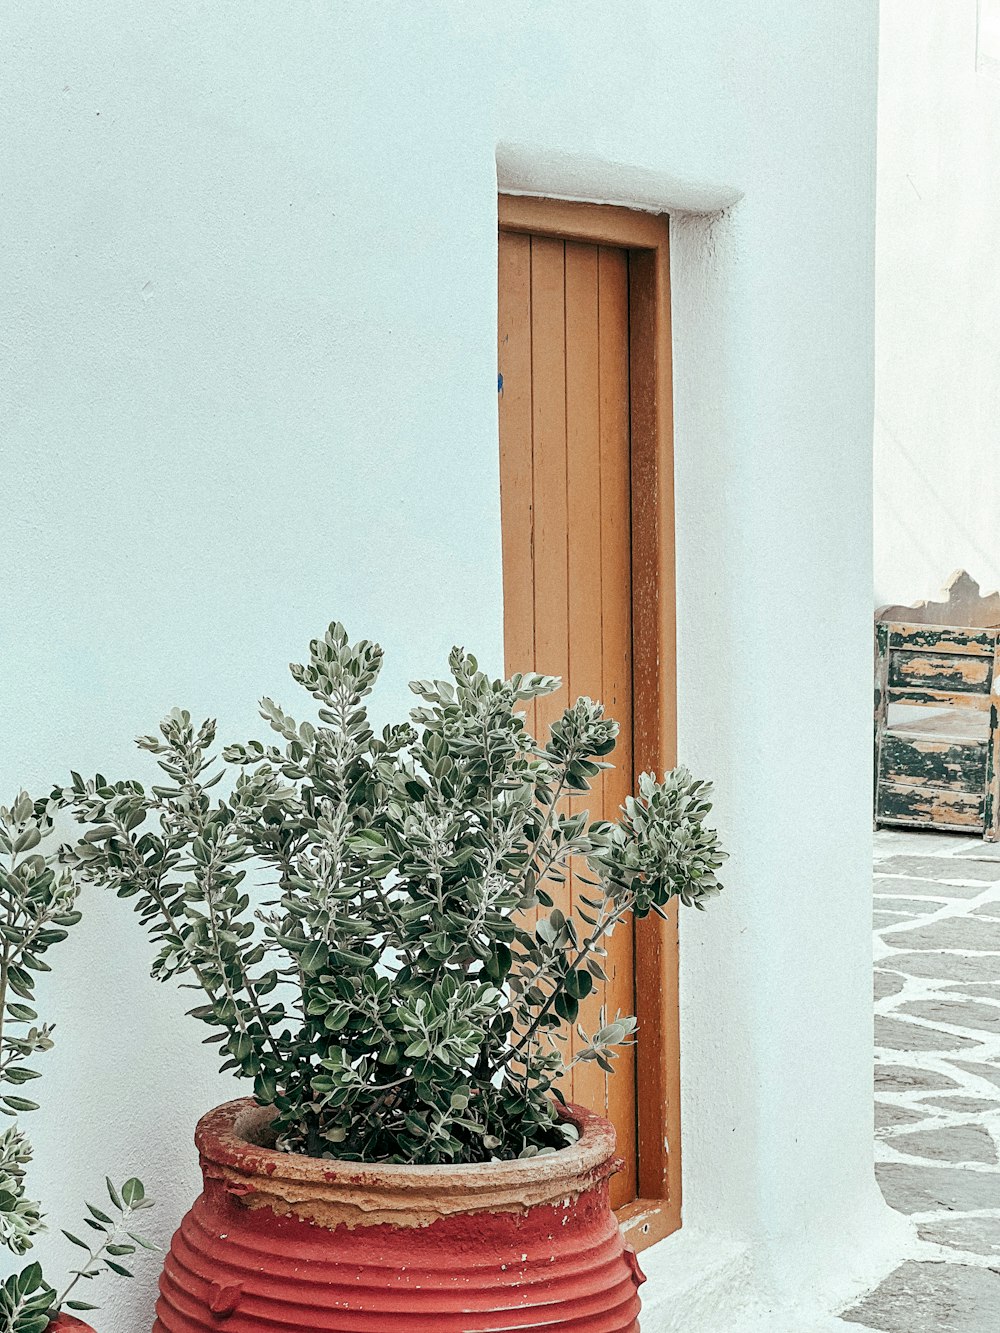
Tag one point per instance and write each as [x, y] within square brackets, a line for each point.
[937, 1080]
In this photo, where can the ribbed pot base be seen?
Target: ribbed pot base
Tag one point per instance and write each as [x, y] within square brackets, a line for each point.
[237, 1264]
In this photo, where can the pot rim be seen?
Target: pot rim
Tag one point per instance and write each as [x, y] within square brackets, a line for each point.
[372, 1191]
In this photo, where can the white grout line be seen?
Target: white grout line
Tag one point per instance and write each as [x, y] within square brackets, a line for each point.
[924, 990]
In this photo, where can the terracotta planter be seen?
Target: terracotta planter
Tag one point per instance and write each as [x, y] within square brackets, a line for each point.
[65, 1323]
[278, 1242]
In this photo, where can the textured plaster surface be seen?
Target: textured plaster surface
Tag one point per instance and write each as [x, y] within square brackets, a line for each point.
[936, 334]
[250, 384]
[937, 1079]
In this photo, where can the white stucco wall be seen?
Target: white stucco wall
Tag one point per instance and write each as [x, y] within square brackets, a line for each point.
[937, 506]
[248, 266]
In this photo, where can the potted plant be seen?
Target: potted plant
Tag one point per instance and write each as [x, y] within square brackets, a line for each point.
[355, 909]
[37, 910]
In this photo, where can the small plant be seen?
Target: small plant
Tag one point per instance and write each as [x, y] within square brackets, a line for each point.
[37, 910]
[390, 997]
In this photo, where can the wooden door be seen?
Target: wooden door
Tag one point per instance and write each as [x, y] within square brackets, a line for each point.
[577, 546]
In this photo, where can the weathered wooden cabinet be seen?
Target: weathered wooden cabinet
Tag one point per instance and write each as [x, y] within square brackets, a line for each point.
[937, 681]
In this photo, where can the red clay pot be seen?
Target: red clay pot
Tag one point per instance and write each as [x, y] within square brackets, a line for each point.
[290, 1243]
[65, 1323]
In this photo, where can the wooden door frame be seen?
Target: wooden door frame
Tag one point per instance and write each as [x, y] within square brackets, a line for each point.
[645, 236]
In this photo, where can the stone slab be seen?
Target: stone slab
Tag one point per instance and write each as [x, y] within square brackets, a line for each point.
[905, 1078]
[932, 1298]
[976, 934]
[886, 1116]
[910, 906]
[925, 888]
[981, 851]
[967, 1013]
[910, 1188]
[949, 1143]
[922, 842]
[940, 867]
[965, 1105]
[975, 1235]
[981, 968]
[989, 1072]
[892, 1034]
[983, 988]
[887, 983]
[886, 920]
[991, 909]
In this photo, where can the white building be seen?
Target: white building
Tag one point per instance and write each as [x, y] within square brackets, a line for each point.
[249, 268]
[937, 333]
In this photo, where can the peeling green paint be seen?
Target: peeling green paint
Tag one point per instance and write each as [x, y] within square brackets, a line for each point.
[934, 763]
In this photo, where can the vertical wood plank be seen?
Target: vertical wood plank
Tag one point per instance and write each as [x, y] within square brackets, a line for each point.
[548, 370]
[583, 484]
[616, 680]
[654, 687]
[516, 484]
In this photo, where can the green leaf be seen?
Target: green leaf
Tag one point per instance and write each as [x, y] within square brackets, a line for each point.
[133, 1192]
[19, 1074]
[18, 1103]
[27, 840]
[313, 956]
[29, 1279]
[141, 1240]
